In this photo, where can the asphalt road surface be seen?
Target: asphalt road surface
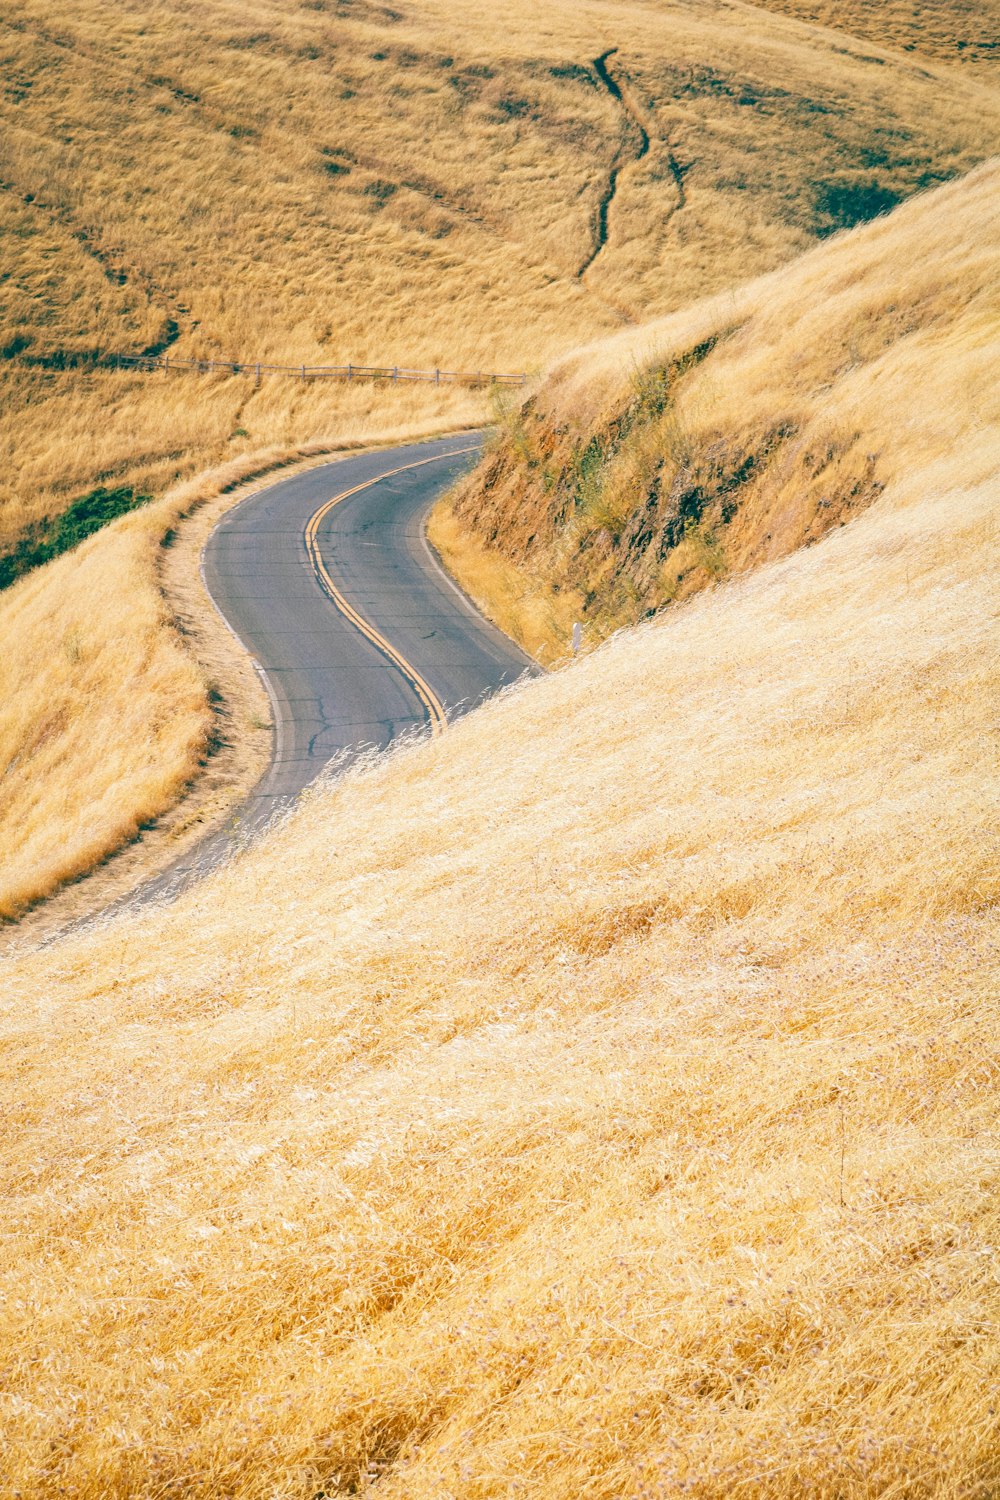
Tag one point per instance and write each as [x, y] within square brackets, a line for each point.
[329, 582]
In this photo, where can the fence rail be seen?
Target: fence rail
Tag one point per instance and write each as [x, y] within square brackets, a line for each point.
[391, 374]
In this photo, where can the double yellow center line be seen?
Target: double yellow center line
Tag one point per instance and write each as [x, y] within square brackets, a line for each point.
[432, 704]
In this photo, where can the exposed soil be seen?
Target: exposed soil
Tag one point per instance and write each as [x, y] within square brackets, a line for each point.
[570, 510]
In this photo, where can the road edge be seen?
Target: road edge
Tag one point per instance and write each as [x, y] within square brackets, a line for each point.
[195, 620]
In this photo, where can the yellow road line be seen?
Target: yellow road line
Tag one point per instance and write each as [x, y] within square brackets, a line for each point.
[433, 706]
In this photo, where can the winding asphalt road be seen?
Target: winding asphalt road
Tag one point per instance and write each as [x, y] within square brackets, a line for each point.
[329, 582]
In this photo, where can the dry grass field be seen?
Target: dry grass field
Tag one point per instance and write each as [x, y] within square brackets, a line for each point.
[690, 450]
[600, 1099]
[329, 181]
[966, 32]
[326, 182]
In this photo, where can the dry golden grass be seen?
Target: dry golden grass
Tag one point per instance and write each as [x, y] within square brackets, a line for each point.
[322, 183]
[152, 431]
[539, 618]
[670, 456]
[598, 1100]
[318, 182]
[962, 31]
[106, 716]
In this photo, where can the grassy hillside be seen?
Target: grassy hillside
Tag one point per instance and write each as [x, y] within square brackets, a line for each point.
[317, 182]
[965, 32]
[321, 182]
[601, 1098]
[693, 449]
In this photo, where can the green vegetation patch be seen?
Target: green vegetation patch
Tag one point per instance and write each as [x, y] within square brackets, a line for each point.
[842, 205]
[49, 539]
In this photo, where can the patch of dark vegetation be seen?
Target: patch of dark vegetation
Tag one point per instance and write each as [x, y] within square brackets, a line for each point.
[48, 539]
[336, 162]
[469, 82]
[171, 333]
[845, 203]
[249, 40]
[380, 191]
[339, 154]
[17, 89]
[573, 72]
[510, 107]
[15, 346]
[183, 96]
[723, 474]
[706, 83]
[51, 359]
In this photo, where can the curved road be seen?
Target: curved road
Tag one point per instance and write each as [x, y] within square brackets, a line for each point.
[328, 580]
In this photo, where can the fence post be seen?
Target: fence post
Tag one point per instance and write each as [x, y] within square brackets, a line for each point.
[258, 372]
[166, 362]
[395, 374]
[437, 377]
[348, 372]
[303, 372]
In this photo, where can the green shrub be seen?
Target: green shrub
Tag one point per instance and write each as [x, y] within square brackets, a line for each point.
[48, 539]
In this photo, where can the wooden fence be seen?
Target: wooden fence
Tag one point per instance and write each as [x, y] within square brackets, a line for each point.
[390, 374]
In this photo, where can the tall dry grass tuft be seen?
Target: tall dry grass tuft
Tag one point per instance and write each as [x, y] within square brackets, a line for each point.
[599, 1099]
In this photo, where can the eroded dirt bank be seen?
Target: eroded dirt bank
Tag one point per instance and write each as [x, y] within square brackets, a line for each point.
[691, 450]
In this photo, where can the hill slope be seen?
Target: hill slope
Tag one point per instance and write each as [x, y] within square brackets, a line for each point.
[962, 32]
[695, 448]
[600, 1099]
[324, 182]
